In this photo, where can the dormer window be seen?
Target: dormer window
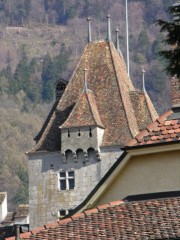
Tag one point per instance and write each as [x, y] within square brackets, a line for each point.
[60, 87]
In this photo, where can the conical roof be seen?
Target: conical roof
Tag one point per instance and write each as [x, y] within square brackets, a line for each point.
[111, 87]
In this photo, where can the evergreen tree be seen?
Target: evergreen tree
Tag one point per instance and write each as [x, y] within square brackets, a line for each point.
[47, 77]
[172, 28]
[21, 76]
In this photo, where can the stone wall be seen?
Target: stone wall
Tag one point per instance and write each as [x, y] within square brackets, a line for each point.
[45, 196]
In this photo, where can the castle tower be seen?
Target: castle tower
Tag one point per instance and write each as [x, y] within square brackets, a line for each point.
[98, 113]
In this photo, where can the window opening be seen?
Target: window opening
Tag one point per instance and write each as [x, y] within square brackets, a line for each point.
[79, 133]
[67, 180]
[68, 133]
[52, 166]
[90, 132]
[91, 154]
[60, 87]
[80, 155]
[62, 213]
[69, 155]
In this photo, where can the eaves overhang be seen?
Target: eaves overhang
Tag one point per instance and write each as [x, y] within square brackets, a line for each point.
[152, 148]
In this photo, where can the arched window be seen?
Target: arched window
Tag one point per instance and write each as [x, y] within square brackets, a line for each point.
[60, 87]
[68, 155]
[91, 154]
[80, 155]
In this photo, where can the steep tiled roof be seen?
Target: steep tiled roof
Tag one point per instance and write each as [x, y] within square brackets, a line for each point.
[139, 220]
[22, 211]
[110, 84]
[84, 113]
[165, 129]
[143, 108]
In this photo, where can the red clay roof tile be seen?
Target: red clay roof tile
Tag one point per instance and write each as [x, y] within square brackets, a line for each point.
[164, 129]
[148, 219]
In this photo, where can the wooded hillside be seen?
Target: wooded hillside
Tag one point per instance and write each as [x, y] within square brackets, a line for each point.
[40, 42]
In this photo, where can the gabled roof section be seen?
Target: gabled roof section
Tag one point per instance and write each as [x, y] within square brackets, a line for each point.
[149, 219]
[143, 108]
[84, 113]
[110, 84]
[165, 129]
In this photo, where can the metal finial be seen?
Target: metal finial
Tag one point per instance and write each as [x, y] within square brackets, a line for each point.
[144, 88]
[108, 28]
[127, 39]
[85, 80]
[89, 29]
[117, 41]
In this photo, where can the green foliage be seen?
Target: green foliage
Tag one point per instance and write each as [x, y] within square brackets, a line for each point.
[143, 41]
[172, 29]
[139, 58]
[155, 78]
[51, 71]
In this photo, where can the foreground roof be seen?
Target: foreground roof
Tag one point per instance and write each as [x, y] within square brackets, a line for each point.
[166, 129]
[149, 219]
[120, 113]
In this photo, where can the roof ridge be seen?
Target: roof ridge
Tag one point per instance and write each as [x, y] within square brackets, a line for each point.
[152, 110]
[92, 109]
[122, 96]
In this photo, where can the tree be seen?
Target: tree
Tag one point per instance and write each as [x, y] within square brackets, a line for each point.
[172, 55]
[47, 77]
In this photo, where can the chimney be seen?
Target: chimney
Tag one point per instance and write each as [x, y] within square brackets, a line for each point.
[89, 29]
[175, 91]
[17, 231]
[108, 28]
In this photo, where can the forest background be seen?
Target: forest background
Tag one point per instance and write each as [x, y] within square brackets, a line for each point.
[41, 42]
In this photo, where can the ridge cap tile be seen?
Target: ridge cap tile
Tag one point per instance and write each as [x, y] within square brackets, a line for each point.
[152, 126]
[132, 142]
[142, 134]
[77, 215]
[104, 206]
[90, 211]
[118, 202]
[164, 116]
